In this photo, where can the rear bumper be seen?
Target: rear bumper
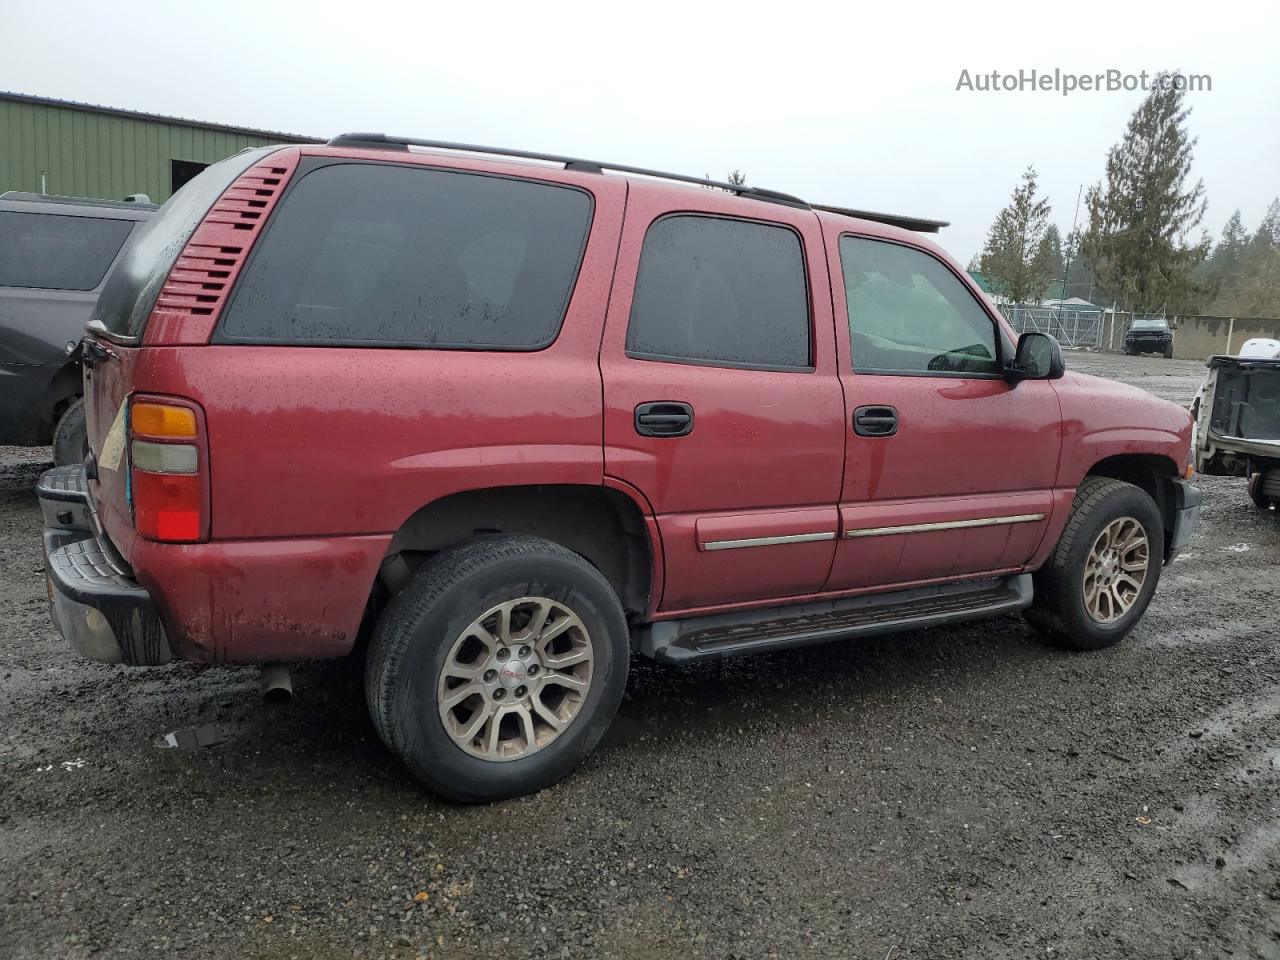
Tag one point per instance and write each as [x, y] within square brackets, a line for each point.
[97, 606]
[247, 601]
[1186, 514]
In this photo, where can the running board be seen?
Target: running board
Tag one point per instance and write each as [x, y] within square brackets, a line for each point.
[777, 628]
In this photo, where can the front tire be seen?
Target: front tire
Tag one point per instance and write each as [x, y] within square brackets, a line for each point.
[1104, 570]
[71, 435]
[498, 667]
[1168, 351]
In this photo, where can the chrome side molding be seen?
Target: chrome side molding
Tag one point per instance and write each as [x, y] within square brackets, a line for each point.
[943, 525]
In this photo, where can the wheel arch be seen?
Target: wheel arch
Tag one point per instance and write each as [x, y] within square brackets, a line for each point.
[604, 525]
[65, 387]
[1151, 472]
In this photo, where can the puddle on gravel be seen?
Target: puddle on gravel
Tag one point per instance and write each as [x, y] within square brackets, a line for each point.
[1250, 851]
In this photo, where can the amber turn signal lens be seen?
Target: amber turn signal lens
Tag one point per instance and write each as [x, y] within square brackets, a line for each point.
[162, 420]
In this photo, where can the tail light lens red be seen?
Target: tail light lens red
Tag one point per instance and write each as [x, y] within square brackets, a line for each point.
[169, 470]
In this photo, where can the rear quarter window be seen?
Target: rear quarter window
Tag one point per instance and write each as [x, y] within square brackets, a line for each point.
[134, 284]
[388, 255]
[57, 252]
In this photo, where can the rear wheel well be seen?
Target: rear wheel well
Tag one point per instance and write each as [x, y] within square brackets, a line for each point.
[64, 389]
[1150, 472]
[601, 525]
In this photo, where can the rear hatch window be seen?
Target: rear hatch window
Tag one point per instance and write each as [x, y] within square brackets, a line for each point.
[393, 255]
[57, 252]
[131, 290]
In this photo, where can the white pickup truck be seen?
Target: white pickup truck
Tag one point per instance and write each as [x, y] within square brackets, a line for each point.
[1237, 419]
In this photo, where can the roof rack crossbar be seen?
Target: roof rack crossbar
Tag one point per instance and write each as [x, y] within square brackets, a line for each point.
[382, 141]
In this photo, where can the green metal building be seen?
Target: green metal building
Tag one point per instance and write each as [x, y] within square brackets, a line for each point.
[80, 150]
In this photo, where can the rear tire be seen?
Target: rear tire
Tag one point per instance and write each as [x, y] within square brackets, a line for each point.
[452, 679]
[1091, 592]
[1260, 499]
[71, 435]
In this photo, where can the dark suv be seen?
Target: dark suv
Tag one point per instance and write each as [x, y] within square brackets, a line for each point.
[1149, 335]
[54, 256]
[509, 424]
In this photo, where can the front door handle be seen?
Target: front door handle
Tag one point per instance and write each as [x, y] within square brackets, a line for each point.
[664, 418]
[874, 421]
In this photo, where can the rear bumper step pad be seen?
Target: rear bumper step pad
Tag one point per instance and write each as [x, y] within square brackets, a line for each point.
[776, 628]
[99, 609]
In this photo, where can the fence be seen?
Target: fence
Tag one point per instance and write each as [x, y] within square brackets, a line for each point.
[1071, 328]
[1195, 338]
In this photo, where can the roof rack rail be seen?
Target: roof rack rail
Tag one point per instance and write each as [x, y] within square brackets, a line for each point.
[380, 141]
[134, 200]
[918, 224]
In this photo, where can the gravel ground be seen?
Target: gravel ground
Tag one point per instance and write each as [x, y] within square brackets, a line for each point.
[962, 792]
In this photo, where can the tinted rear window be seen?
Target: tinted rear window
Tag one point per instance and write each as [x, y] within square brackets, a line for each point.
[132, 288]
[57, 252]
[393, 255]
[721, 292]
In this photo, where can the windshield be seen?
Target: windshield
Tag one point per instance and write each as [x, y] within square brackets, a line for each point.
[1150, 323]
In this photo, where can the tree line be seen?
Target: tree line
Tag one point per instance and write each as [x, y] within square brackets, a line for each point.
[1136, 248]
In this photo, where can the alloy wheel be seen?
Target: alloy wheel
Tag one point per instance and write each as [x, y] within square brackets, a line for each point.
[1116, 569]
[515, 679]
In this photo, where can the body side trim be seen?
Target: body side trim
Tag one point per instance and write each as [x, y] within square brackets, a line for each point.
[944, 525]
[767, 541]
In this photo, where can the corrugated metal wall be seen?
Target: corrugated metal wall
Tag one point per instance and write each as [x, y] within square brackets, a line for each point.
[86, 154]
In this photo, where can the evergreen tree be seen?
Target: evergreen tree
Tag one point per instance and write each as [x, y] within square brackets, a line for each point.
[1057, 258]
[1017, 255]
[1221, 273]
[1142, 212]
[1268, 234]
[1080, 279]
[1246, 270]
[1231, 246]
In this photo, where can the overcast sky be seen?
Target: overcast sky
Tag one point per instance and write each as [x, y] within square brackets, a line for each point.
[844, 104]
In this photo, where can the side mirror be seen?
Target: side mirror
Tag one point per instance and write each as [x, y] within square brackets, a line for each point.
[1038, 357]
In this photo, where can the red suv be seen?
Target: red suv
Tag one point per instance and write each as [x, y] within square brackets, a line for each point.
[506, 419]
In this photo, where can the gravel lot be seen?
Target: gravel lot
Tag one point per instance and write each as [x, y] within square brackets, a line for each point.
[963, 792]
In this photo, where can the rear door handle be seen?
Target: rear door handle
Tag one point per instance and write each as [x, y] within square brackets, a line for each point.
[874, 421]
[664, 418]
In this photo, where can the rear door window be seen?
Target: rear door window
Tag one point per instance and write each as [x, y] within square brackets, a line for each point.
[57, 252]
[392, 255]
[722, 292]
[908, 313]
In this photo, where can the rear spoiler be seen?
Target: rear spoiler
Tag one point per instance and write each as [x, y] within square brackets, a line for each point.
[918, 224]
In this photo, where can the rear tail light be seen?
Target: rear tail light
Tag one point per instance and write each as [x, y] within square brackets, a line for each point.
[169, 470]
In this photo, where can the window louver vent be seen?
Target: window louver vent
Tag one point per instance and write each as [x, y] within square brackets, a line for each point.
[196, 288]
